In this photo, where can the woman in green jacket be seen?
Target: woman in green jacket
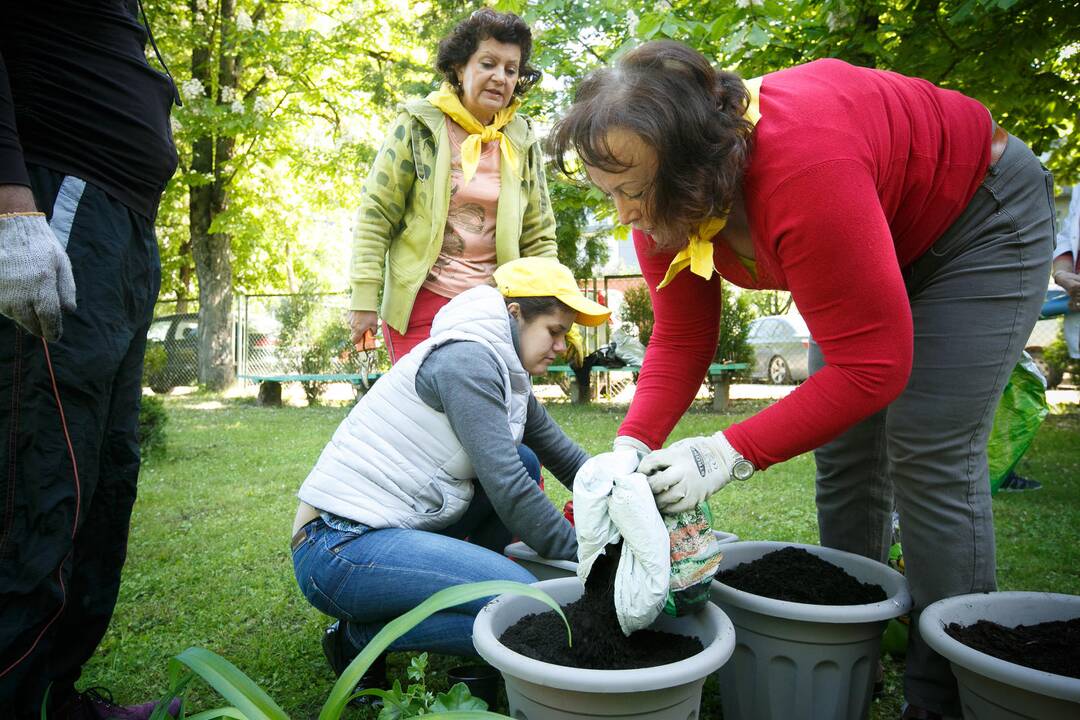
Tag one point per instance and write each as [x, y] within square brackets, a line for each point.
[457, 189]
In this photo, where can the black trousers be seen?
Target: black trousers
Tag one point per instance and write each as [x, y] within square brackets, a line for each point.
[69, 457]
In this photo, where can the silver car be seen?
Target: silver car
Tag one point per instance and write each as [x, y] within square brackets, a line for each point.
[780, 344]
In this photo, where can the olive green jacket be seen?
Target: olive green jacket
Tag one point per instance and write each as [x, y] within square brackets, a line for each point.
[405, 201]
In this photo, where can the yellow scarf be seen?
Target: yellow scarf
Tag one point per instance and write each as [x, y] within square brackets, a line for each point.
[698, 253]
[447, 100]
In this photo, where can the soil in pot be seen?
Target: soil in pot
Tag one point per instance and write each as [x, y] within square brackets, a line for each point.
[796, 575]
[1052, 647]
[599, 643]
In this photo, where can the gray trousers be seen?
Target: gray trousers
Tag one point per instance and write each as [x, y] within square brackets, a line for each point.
[975, 296]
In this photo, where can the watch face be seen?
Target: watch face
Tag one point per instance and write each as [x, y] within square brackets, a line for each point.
[743, 469]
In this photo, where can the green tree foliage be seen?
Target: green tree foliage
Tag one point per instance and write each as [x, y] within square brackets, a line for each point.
[768, 302]
[285, 102]
[1021, 58]
[735, 316]
[283, 105]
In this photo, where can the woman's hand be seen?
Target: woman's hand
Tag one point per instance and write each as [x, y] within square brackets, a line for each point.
[1070, 282]
[360, 321]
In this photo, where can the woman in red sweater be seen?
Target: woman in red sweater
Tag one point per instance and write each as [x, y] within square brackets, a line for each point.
[914, 236]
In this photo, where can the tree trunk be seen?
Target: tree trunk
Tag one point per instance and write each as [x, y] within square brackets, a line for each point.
[183, 293]
[213, 251]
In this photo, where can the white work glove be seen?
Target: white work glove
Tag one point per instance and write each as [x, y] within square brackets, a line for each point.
[36, 283]
[627, 453]
[689, 471]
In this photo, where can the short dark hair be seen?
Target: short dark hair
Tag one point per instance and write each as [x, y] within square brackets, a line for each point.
[689, 113]
[531, 307]
[456, 48]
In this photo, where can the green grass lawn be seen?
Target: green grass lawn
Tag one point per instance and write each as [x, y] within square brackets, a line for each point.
[208, 562]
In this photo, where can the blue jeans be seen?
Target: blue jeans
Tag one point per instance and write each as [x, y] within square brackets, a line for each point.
[367, 579]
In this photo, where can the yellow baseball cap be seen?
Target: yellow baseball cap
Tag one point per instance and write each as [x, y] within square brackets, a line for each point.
[546, 276]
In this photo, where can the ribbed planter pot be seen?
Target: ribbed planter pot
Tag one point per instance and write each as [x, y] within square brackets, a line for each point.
[991, 688]
[796, 660]
[543, 691]
[543, 568]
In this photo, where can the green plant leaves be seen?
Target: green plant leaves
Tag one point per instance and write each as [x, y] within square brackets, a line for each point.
[237, 688]
[458, 698]
[441, 600]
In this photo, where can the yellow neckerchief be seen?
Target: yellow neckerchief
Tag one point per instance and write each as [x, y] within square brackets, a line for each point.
[698, 253]
[447, 100]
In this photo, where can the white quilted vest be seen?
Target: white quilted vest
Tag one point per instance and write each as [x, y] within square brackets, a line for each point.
[396, 462]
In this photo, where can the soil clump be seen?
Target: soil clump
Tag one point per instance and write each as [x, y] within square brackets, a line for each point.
[599, 643]
[1052, 647]
[795, 575]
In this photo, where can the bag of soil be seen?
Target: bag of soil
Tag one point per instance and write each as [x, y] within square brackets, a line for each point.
[667, 563]
[695, 557]
[1019, 414]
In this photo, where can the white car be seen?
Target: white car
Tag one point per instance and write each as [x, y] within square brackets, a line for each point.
[780, 344]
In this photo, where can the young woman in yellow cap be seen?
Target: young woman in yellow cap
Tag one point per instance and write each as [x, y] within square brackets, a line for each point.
[457, 189]
[433, 455]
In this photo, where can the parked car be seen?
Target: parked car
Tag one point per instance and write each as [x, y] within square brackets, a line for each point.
[177, 337]
[172, 350]
[780, 344]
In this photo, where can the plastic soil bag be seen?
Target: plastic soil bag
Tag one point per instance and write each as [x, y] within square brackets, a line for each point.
[1019, 414]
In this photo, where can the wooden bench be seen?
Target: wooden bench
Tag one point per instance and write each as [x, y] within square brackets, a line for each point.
[270, 385]
[719, 377]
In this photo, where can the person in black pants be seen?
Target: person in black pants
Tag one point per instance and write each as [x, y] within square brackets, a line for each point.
[85, 153]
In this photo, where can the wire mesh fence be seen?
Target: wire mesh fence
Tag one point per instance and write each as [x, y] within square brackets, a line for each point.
[298, 334]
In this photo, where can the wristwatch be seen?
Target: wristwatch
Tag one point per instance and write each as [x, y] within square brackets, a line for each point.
[742, 469]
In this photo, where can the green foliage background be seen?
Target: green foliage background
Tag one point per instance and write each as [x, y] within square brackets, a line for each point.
[298, 91]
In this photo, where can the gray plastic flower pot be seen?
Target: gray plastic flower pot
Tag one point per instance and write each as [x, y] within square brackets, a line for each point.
[796, 660]
[543, 568]
[991, 688]
[543, 691]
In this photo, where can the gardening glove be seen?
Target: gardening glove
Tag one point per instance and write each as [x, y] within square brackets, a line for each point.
[627, 453]
[644, 573]
[575, 347]
[689, 471]
[36, 283]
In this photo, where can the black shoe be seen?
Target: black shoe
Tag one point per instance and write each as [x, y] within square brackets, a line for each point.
[1016, 483]
[339, 652]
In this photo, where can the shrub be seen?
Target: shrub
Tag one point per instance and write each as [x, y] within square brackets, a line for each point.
[637, 312]
[154, 361]
[1056, 355]
[735, 318]
[309, 340]
[152, 421]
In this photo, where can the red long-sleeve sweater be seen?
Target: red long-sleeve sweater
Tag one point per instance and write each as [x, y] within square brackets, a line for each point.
[854, 174]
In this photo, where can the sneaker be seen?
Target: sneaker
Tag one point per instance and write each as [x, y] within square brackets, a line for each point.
[98, 704]
[339, 652]
[1016, 483]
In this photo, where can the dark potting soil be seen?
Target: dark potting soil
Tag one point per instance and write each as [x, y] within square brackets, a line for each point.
[795, 575]
[1052, 647]
[599, 643]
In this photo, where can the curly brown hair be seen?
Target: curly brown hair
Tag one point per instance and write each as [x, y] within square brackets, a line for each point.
[688, 112]
[456, 48]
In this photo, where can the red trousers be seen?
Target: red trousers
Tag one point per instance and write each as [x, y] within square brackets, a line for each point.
[423, 312]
